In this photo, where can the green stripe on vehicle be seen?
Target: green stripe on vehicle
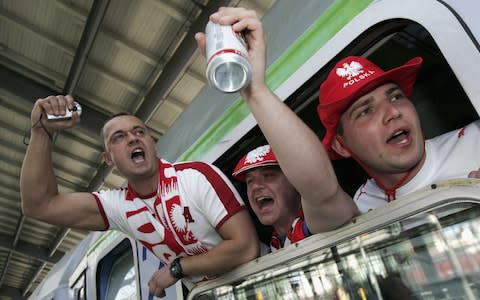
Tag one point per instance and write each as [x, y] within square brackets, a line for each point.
[317, 35]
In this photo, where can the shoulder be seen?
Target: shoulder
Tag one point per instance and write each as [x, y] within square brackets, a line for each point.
[111, 194]
[467, 132]
[369, 196]
[200, 170]
[199, 166]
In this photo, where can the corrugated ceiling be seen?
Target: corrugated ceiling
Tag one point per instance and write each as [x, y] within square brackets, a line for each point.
[134, 56]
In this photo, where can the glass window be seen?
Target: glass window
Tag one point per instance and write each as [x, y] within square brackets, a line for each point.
[122, 284]
[78, 287]
[117, 275]
[432, 255]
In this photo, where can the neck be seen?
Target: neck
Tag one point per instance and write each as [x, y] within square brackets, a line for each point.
[283, 228]
[396, 180]
[145, 187]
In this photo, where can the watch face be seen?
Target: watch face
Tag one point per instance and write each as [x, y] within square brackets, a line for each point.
[176, 269]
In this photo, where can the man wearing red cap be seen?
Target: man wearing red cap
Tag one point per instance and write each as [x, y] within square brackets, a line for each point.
[271, 196]
[368, 116]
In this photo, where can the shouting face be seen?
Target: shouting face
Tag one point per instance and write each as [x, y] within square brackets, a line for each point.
[273, 199]
[130, 148]
[382, 130]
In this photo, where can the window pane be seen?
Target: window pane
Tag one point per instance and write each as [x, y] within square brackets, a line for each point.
[122, 284]
[433, 255]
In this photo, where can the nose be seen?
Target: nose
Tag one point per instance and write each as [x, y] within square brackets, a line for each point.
[131, 138]
[391, 112]
[255, 185]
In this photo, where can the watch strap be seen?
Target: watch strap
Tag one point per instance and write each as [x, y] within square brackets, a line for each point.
[176, 268]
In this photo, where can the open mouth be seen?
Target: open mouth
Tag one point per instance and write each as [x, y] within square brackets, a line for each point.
[263, 201]
[399, 137]
[138, 155]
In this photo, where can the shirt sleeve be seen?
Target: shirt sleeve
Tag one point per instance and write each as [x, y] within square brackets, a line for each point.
[214, 193]
[109, 203]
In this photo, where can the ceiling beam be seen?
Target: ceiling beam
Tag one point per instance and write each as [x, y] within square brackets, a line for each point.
[16, 238]
[177, 64]
[171, 10]
[29, 91]
[34, 29]
[11, 292]
[117, 39]
[95, 19]
[29, 250]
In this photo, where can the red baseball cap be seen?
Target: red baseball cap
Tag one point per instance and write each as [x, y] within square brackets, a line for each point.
[259, 157]
[351, 78]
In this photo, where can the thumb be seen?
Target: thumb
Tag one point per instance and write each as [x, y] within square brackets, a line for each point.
[200, 38]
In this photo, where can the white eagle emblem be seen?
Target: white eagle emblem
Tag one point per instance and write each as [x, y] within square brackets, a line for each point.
[177, 218]
[257, 154]
[350, 70]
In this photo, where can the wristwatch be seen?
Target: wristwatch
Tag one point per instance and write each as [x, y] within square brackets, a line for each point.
[176, 268]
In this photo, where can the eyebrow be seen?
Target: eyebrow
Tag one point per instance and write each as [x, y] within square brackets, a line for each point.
[368, 100]
[121, 130]
[392, 89]
[355, 106]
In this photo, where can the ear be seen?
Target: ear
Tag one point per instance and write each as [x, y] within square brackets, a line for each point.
[338, 145]
[107, 158]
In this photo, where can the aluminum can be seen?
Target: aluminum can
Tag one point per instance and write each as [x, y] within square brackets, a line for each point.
[228, 68]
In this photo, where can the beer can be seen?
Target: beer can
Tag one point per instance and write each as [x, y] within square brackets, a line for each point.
[228, 68]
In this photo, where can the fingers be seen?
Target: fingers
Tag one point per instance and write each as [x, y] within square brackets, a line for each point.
[474, 174]
[200, 38]
[156, 290]
[56, 105]
[240, 18]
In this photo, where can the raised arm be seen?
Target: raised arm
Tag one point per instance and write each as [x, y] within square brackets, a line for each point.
[297, 148]
[38, 186]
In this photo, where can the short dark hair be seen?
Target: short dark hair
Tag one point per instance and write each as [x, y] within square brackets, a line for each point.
[339, 128]
[102, 132]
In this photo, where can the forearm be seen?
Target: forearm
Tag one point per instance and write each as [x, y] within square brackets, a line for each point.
[220, 259]
[37, 179]
[292, 139]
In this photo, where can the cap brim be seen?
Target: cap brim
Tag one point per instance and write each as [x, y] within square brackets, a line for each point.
[240, 173]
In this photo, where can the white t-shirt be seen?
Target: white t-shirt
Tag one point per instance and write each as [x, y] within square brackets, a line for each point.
[451, 155]
[198, 205]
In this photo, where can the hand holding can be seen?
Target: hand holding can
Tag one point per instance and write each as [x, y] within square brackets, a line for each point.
[228, 68]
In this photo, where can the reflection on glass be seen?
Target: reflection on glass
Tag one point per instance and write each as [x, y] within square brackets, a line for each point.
[122, 284]
[433, 255]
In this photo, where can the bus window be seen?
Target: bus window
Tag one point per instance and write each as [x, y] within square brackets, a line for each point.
[78, 288]
[116, 275]
[434, 254]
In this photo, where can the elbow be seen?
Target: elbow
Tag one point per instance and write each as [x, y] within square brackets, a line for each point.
[251, 251]
[28, 210]
[31, 210]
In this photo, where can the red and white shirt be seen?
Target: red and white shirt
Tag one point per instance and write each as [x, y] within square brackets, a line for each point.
[448, 156]
[298, 231]
[193, 201]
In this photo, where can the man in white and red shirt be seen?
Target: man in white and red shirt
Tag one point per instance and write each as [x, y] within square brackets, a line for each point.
[369, 117]
[271, 196]
[188, 214]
